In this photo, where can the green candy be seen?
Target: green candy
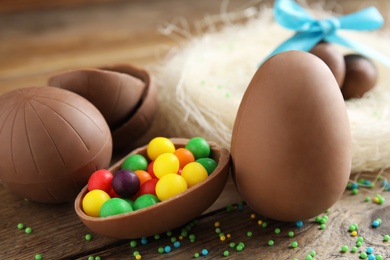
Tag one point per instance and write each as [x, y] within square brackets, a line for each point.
[135, 162]
[199, 147]
[208, 163]
[115, 206]
[145, 201]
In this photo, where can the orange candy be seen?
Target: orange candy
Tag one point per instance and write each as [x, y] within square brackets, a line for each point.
[185, 156]
[143, 176]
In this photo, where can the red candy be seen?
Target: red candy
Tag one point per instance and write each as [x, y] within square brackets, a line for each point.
[100, 180]
[113, 194]
[150, 169]
[149, 187]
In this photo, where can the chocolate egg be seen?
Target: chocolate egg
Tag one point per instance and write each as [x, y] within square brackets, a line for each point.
[51, 140]
[361, 76]
[333, 58]
[291, 141]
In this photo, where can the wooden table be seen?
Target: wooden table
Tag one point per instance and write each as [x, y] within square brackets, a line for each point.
[35, 43]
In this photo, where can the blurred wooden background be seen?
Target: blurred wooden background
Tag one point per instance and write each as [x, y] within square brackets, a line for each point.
[41, 37]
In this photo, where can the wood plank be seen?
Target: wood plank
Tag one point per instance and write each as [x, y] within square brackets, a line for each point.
[37, 43]
[58, 233]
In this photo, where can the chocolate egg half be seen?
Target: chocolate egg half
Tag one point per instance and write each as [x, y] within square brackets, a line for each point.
[291, 141]
[51, 140]
[115, 94]
[124, 94]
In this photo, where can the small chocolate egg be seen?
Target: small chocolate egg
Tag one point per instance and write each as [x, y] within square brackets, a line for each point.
[361, 76]
[291, 141]
[115, 94]
[333, 58]
[51, 140]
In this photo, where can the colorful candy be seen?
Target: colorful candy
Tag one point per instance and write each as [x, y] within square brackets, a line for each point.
[208, 163]
[199, 147]
[143, 176]
[149, 187]
[170, 185]
[150, 169]
[145, 201]
[100, 180]
[159, 145]
[142, 182]
[185, 156]
[125, 183]
[115, 206]
[93, 201]
[164, 164]
[135, 162]
[194, 173]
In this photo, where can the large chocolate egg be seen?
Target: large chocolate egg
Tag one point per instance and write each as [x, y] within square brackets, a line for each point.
[291, 141]
[51, 141]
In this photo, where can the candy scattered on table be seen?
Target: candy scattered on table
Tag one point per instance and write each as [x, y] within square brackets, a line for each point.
[88, 237]
[28, 230]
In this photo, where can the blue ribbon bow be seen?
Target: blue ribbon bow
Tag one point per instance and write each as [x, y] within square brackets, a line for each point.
[311, 31]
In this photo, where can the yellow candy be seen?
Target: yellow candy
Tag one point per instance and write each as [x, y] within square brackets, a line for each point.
[93, 201]
[165, 163]
[170, 185]
[194, 173]
[159, 145]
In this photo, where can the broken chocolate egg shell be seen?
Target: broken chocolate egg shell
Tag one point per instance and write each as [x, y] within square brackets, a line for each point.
[52, 140]
[361, 76]
[165, 215]
[115, 94]
[133, 118]
[126, 135]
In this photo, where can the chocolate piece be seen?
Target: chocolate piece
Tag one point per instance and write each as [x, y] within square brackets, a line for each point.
[51, 140]
[361, 76]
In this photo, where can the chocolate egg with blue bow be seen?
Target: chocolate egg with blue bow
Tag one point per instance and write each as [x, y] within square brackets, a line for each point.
[291, 141]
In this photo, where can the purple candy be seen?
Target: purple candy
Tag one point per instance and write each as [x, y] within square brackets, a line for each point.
[125, 183]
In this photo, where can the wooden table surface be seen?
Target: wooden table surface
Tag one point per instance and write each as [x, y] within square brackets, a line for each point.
[35, 43]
